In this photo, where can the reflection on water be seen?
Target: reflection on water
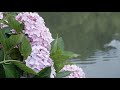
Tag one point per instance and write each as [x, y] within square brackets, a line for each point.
[93, 35]
[110, 68]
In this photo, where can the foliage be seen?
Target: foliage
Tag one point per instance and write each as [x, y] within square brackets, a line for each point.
[16, 48]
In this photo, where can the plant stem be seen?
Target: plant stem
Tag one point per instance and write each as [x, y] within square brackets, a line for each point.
[8, 61]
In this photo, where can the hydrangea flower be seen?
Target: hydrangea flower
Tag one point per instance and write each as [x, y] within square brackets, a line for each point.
[35, 29]
[76, 72]
[40, 39]
[39, 58]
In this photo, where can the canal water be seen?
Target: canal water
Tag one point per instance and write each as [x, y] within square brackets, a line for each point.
[93, 35]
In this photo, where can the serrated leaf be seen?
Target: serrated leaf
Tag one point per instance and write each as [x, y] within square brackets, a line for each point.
[58, 55]
[60, 58]
[62, 74]
[45, 73]
[24, 67]
[25, 48]
[12, 41]
[10, 71]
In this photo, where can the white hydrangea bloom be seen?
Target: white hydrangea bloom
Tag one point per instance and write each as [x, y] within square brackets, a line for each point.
[1, 15]
[53, 73]
[77, 72]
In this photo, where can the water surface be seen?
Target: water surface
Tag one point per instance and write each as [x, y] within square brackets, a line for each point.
[93, 35]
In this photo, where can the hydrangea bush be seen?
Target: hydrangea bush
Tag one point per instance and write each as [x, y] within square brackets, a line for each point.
[27, 49]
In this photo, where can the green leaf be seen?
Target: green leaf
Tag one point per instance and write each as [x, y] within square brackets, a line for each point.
[57, 44]
[15, 54]
[2, 73]
[25, 48]
[6, 31]
[70, 54]
[13, 23]
[2, 39]
[24, 67]
[12, 41]
[60, 43]
[58, 55]
[3, 36]
[62, 74]
[1, 55]
[45, 73]
[10, 13]
[54, 45]
[10, 71]
[60, 58]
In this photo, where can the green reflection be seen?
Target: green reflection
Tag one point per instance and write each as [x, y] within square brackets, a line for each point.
[84, 32]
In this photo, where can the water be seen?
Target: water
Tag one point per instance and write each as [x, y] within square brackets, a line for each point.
[93, 35]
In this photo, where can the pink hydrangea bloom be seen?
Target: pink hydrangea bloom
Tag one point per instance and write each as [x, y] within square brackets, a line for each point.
[76, 72]
[40, 39]
[39, 58]
[35, 29]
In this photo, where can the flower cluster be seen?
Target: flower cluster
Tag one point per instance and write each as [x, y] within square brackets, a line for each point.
[35, 28]
[76, 72]
[40, 38]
